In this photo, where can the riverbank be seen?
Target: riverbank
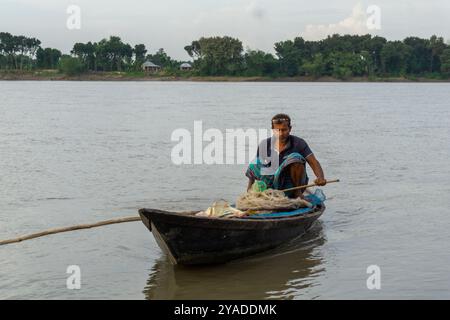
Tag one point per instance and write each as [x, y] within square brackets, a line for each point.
[54, 75]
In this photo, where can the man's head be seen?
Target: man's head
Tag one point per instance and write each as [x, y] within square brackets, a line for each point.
[281, 126]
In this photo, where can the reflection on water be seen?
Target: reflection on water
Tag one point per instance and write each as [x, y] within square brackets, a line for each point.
[282, 273]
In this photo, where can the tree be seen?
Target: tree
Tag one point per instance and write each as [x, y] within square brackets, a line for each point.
[3, 61]
[445, 61]
[21, 45]
[437, 47]
[394, 57]
[107, 55]
[373, 47]
[291, 55]
[217, 55]
[316, 66]
[17, 51]
[70, 66]
[259, 63]
[86, 53]
[338, 43]
[114, 49]
[418, 60]
[126, 56]
[101, 54]
[8, 47]
[139, 55]
[33, 45]
[47, 58]
[161, 58]
[345, 64]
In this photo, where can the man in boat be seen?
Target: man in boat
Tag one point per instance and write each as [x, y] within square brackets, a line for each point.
[293, 154]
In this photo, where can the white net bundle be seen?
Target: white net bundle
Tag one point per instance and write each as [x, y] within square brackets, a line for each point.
[269, 199]
[221, 209]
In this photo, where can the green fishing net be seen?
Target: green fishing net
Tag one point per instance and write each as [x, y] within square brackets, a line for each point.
[259, 186]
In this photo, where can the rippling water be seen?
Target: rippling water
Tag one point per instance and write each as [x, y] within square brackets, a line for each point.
[76, 152]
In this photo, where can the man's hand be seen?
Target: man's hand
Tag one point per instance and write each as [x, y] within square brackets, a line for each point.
[317, 169]
[320, 181]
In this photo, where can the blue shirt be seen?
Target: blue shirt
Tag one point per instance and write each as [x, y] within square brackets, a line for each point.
[294, 144]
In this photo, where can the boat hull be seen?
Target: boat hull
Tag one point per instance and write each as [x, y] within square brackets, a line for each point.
[189, 239]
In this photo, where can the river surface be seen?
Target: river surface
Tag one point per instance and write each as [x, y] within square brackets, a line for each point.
[80, 152]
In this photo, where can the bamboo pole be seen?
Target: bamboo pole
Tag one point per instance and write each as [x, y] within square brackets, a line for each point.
[71, 228]
[308, 185]
[106, 222]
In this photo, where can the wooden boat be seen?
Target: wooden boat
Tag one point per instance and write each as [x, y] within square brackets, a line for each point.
[188, 239]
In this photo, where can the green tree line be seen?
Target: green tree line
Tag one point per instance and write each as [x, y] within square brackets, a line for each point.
[339, 56]
[114, 55]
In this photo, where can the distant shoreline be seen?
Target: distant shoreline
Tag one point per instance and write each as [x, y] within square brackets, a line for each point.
[53, 75]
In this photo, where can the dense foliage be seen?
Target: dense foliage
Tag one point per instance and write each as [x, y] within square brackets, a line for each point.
[339, 56]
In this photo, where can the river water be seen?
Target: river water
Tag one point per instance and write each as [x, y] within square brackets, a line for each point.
[80, 152]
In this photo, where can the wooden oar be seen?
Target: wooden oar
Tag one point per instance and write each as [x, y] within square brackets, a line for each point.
[308, 185]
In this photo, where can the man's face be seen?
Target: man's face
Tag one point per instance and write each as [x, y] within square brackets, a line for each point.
[281, 131]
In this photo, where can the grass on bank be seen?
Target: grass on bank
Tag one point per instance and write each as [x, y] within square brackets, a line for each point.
[72, 71]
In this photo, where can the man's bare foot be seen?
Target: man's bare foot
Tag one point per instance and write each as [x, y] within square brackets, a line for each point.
[299, 194]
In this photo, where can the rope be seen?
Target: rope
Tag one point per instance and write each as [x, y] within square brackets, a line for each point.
[71, 228]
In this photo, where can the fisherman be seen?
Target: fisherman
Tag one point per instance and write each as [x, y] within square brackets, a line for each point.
[293, 153]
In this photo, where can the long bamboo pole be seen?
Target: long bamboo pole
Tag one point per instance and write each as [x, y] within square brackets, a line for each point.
[107, 222]
[71, 228]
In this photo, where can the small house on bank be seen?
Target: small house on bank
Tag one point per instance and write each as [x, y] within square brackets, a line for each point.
[185, 66]
[149, 66]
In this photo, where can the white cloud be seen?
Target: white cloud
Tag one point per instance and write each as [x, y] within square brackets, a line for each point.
[356, 23]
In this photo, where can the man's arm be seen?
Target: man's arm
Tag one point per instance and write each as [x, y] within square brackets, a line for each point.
[317, 169]
[250, 183]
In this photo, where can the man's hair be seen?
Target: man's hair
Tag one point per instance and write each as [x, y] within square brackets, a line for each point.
[280, 118]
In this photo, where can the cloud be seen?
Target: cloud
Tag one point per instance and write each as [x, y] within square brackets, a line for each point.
[356, 23]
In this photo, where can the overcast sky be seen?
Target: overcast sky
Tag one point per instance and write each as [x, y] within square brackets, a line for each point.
[172, 24]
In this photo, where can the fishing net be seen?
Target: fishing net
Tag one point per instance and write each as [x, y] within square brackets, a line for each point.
[221, 209]
[258, 199]
[267, 200]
